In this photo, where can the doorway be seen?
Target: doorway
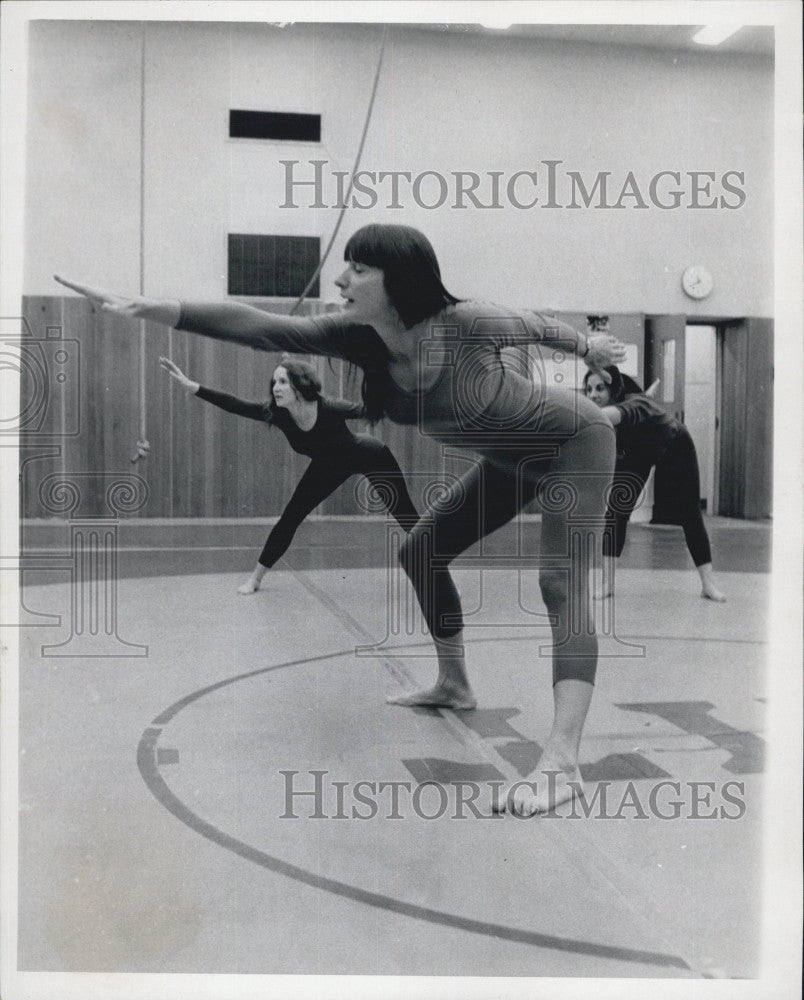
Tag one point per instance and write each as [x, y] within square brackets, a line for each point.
[701, 405]
[686, 358]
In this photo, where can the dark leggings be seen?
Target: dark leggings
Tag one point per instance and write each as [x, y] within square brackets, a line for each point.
[572, 489]
[678, 468]
[368, 457]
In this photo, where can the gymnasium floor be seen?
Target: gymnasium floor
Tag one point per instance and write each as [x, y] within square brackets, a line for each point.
[154, 826]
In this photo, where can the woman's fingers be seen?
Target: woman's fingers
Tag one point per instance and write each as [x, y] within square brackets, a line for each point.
[174, 371]
[616, 345]
[108, 301]
[614, 348]
[68, 284]
[87, 290]
[605, 350]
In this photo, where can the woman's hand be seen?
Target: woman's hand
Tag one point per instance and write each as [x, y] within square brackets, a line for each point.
[176, 373]
[604, 350]
[157, 311]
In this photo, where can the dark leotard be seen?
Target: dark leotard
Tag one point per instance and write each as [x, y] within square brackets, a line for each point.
[336, 454]
[647, 436]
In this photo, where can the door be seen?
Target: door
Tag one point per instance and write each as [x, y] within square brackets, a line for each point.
[700, 404]
[746, 449]
[665, 359]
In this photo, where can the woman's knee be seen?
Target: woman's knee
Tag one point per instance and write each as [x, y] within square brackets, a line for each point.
[554, 586]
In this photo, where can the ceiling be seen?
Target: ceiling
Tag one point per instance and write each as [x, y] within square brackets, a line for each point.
[756, 39]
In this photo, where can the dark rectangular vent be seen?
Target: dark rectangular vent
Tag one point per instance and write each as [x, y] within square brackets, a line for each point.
[274, 125]
[272, 265]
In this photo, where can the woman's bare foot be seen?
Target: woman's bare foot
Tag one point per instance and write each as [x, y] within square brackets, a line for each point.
[439, 696]
[547, 788]
[602, 581]
[709, 588]
[249, 587]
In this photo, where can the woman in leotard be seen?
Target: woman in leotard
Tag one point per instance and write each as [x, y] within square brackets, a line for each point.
[314, 426]
[647, 437]
[435, 362]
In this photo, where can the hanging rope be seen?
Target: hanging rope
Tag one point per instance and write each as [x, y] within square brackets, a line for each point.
[355, 168]
[143, 446]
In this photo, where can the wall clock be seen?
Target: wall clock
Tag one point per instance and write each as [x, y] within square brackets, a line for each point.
[696, 282]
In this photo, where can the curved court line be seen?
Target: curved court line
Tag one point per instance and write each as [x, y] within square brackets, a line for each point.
[149, 769]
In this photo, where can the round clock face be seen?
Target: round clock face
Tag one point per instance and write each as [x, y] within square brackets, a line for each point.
[696, 282]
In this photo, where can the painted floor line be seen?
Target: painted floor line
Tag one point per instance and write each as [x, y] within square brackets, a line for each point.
[147, 762]
[608, 868]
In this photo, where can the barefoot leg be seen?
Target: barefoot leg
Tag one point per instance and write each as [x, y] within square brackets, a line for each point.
[567, 598]
[604, 585]
[452, 688]
[709, 588]
[558, 765]
[551, 784]
[253, 583]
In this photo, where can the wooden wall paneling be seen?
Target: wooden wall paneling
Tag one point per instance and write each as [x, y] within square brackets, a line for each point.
[109, 401]
[249, 439]
[41, 443]
[180, 438]
[733, 426]
[212, 438]
[231, 426]
[84, 453]
[119, 347]
[759, 418]
[198, 414]
[31, 397]
[157, 468]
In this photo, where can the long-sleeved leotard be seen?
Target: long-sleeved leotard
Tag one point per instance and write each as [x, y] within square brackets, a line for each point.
[336, 452]
[647, 436]
[533, 440]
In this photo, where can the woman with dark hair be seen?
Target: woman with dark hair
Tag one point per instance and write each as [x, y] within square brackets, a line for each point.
[431, 360]
[315, 426]
[648, 437]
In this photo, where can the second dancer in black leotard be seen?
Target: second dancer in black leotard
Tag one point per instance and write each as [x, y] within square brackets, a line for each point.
[648, 437]
[315, 426]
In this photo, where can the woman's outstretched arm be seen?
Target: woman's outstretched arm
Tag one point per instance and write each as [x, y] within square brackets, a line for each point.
[230, 321]
[232, 404]
[164, 311]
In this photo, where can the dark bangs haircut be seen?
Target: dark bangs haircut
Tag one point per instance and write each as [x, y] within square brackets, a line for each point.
[619, 385]
[302, 376]
[409, 265]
